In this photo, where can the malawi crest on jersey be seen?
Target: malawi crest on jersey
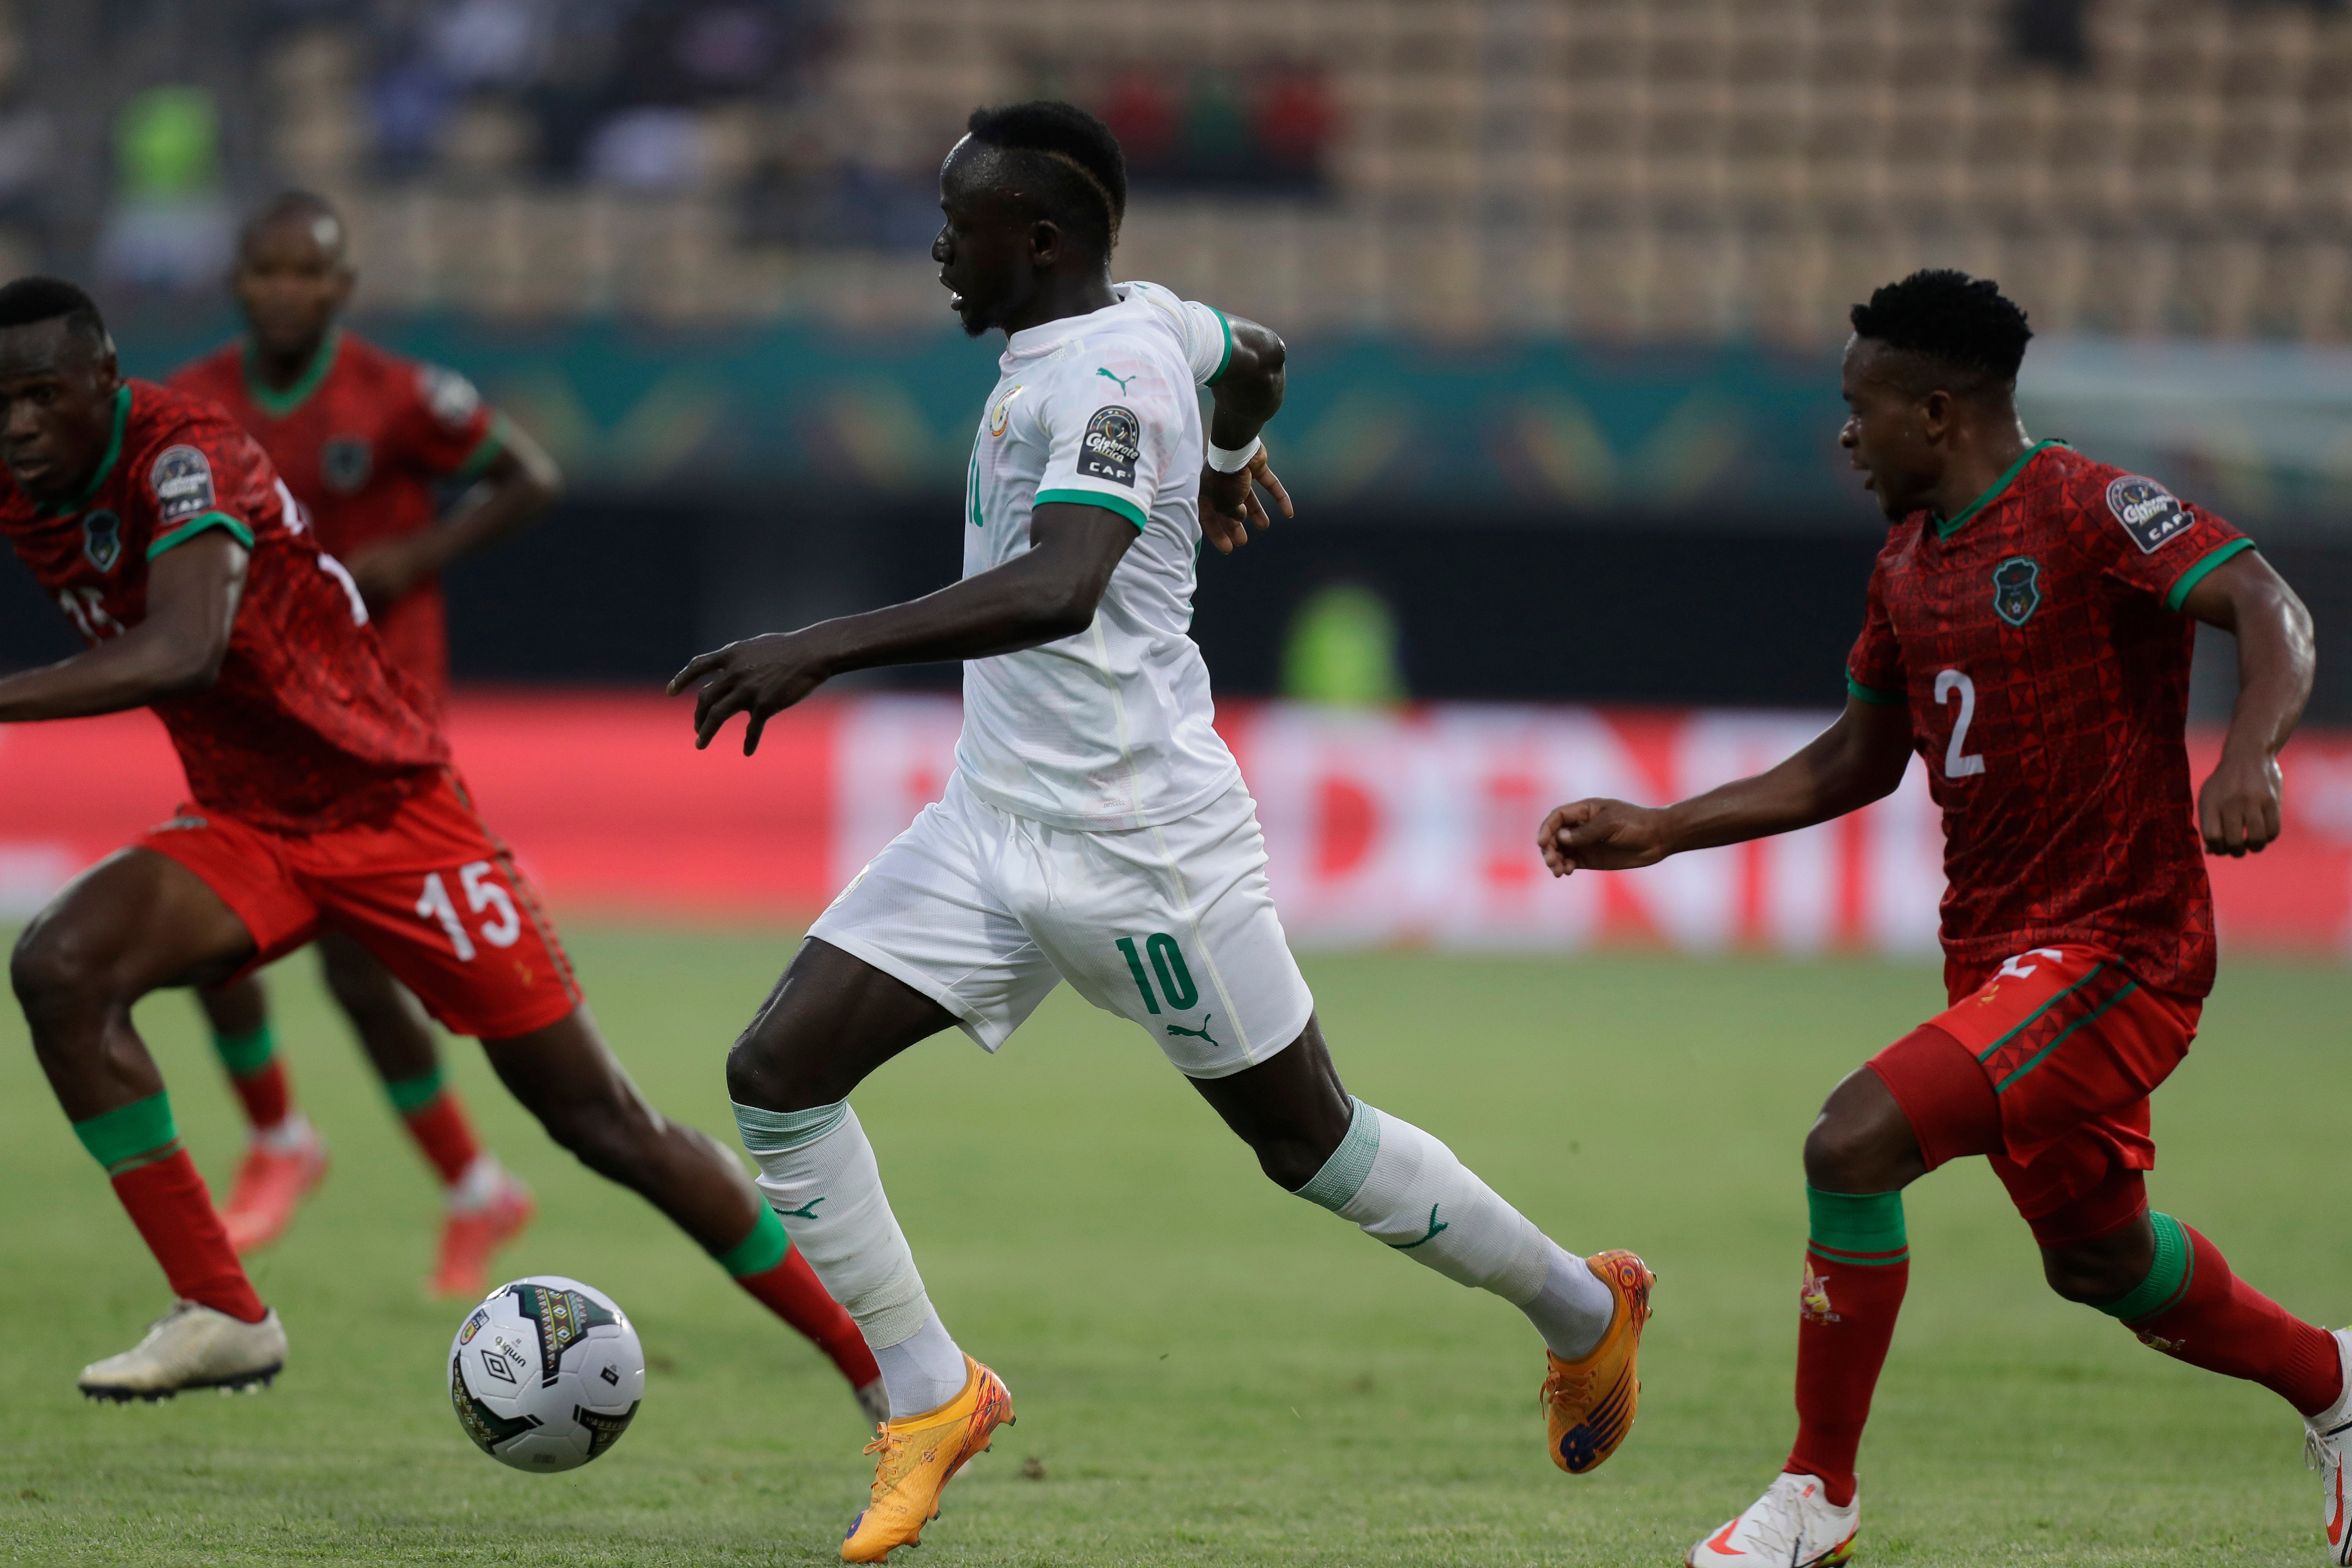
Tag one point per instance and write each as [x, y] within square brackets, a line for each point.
[101, 539]
[2017, 589]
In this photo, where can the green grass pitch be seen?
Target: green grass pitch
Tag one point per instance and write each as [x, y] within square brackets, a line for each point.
[1207, 1372]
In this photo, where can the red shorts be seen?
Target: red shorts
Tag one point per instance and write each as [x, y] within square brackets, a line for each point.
[428, 890]
[2044, 1064]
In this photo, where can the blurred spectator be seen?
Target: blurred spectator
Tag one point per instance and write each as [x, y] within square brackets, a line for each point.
[1341, 650]
[2050, 32]
[1141, 112]
[1295, 124]
[491, 43]
[1220, 130]
[649, 149]
[170, 227]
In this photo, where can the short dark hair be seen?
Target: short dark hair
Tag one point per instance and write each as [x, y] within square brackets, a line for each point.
[293, 204]
[30, 301]
[1956, 322]
[1072, 156]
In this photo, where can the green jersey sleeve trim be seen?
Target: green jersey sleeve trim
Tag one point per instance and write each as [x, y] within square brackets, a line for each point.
[105, 464]
[2198, 573]
[1119, 504]
[196, 525]
[1226, 322]
[1870, 694]
[486, 452]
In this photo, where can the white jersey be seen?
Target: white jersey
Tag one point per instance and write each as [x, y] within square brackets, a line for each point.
[1109, 729]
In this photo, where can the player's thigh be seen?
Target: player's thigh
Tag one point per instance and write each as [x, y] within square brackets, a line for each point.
[434, 895]
[929, 912]
[134, 923]
[831, 1020]
[1174, 928]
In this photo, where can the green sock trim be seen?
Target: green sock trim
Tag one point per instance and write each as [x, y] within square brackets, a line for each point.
[1862, 1228]
[246, 1054]
[1344, 1174]
[781, 1131]
[760, 1251]
[2168, 1278]
[133, 1135]
[411, 1095]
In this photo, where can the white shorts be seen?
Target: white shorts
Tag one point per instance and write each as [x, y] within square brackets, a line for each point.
[1173, 926]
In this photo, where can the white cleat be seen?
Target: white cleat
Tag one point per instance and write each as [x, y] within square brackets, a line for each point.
[2326, 1437]
[191, 1346]
[1792, 1525]
[874, 1400]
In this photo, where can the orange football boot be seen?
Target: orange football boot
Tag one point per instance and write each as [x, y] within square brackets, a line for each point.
[270, 1186]
[918, 1456]
[1588, 1404]
[470, 1236]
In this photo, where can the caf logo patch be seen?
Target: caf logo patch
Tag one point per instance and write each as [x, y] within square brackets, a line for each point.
[2148, 512]
[2017, 589]
[450, 395]
[1114, 439]
[345, 462]
[183, 482]
[101, 539]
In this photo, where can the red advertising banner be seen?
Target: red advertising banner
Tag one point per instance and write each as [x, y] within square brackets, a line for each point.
[1413, 827]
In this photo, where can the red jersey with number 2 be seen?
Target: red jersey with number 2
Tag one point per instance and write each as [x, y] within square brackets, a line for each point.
[306, 726]
[2039, 642]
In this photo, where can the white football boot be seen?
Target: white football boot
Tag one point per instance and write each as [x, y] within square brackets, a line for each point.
[191, 1346]
[1792, 1525]
[2325, 1438]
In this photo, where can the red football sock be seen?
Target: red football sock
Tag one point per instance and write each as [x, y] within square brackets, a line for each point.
[791, 1291]
[1857, 1264]
[168, 1202]
[267, 1094]
[2209, 1317]
[441, 1130]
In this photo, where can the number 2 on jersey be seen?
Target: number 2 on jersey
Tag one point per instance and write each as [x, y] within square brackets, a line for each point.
[481, 893]
[1957, 762]
[1168, 965]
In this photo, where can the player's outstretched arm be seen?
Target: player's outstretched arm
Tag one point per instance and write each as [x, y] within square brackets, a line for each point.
[2238, 808]
[192, 591]
[1244, 399]
[1855, 761]
[521, 482]
[1047, 593]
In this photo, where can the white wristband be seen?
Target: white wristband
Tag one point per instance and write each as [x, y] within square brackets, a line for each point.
[1236, 460]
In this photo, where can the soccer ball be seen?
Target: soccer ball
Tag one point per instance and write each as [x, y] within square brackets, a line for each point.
[546, 1373]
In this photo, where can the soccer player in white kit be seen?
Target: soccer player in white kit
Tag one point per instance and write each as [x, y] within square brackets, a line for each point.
[1096, 830]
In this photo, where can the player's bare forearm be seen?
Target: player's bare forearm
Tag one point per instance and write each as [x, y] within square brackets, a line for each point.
[1859, 759]
[521, 482]
[1247, 395]
[192, 598]
[2238, 806]
[1042, 595]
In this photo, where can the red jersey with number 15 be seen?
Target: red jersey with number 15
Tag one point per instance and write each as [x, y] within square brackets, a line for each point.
[308, 727]
[2039, 642]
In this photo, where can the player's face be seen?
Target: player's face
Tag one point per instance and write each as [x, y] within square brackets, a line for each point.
[292, 281]
[984, 247]
[1883, 431]
[56, 407]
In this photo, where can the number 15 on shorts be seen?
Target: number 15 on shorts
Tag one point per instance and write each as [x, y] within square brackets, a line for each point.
[483, 892]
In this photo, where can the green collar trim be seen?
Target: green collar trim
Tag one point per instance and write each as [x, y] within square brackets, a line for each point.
[278, 404]
[1945, 530]
[80, 497]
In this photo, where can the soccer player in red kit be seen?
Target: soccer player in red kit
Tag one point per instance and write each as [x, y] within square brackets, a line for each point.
[321, 795]
[2028, 633]
[363, 438]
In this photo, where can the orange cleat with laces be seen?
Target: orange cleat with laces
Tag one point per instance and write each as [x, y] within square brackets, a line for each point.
[271, 1183]
[918, 1456]
[470, 1235]
[1588, 1404]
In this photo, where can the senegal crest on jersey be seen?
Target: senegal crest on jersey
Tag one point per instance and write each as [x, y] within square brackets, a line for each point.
[2017, 589]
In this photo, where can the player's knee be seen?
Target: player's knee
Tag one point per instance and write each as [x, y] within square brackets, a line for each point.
[766, 1072]
[52, 969]
[1290, 1164]
[1846, 1155]
[2087, 1275]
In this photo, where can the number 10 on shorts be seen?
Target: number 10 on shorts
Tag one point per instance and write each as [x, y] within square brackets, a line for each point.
[482, 892]
[1168, 965]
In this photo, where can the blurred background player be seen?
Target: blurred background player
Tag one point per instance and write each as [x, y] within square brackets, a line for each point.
[321, 794]
[364, 439]
[2028, 633]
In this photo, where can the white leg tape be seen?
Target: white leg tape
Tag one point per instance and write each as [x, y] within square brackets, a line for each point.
[829, 1195]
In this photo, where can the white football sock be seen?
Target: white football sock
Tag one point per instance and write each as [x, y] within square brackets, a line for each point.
[922, 1373]
[818, 1173]
[1407, 1190]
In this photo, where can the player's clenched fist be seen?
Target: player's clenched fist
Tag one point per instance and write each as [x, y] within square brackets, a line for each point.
[759, 676]
[2238, 809]
[1601, 836]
